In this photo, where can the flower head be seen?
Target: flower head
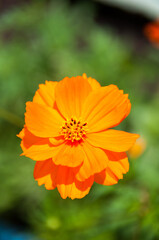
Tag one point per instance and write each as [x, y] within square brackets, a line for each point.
[138, 148]
[67, 132]
[151, 31]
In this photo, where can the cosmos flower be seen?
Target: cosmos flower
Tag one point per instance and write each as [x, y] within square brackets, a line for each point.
[138, 148]
[67, 132]
[151, 31]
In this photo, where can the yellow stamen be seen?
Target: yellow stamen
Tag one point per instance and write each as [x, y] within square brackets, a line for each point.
[73, 130]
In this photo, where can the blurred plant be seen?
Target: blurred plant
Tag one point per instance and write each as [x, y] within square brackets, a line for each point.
[50, 40]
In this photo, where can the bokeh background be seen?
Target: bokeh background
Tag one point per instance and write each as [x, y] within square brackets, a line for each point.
[48, 40]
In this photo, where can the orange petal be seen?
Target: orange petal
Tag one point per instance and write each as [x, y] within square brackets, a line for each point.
[84, 185]
[48, 173]
[113, 140]
[43, 168]
[45, 94]
[59, 174]
[95, 160]
[28, 139]
[70, 95]
[105, 107]
[113, 118]
[75, 190]
[42, 174]
[70, 155]
[106, 177]
[42, 121]
[21, 134]
[42, 150]
[57, 140]
[47, 180]
[65, 175]
[118, 163]
[117, 166]
[93, 82]
[71, 191]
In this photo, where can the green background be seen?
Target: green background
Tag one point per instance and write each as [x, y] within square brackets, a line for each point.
[48, 41]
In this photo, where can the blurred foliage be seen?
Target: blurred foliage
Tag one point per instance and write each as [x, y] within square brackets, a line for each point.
[49, 41]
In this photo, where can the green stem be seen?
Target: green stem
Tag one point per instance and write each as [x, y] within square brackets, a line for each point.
[11, 118]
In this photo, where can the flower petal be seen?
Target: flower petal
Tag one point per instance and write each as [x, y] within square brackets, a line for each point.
[113, 118]
[70, 95]
[83, 185]
[70, 155]
[65, 175]
[95, 160]
[113, 140]
[22, 133]
[42, 173]
[47, 180]
[96, 97]
[28, 139]
[45, 94]
[118, 163]
[71, 191]
[43, 168]
[105, 107]
[58, 174]
[93, 82]
[106, 177]
[48, 173]
[42, 150]
[77, 189]
[115, 156]
[42, 121]
[117, 166]
[57, 140]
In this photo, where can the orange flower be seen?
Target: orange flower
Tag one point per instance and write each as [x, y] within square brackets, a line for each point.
[67, 133]
[137, 149]
[152, 32]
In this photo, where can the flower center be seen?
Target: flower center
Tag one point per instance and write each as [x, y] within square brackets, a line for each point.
[73, 130]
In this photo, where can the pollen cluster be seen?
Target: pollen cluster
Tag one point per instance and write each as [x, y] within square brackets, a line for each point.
[73, 130]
